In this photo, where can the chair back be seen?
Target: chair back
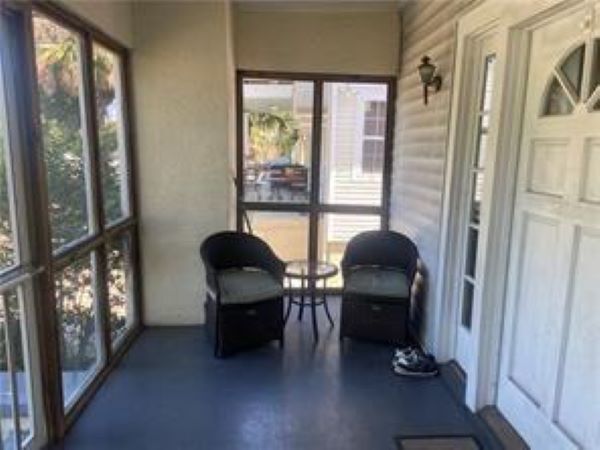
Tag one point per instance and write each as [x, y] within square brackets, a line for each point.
[231, 249]
[381, 248]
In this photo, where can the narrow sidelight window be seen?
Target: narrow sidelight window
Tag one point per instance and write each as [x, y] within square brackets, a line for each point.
[477, 177]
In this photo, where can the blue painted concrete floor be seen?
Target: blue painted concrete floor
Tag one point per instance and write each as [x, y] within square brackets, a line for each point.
[170, 393]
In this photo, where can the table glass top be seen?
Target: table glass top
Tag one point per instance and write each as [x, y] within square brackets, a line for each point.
[310, 269]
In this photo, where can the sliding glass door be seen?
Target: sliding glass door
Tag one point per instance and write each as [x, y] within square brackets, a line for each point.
[68, 226]
[314, 160]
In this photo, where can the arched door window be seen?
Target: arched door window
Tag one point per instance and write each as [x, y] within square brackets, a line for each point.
[566, 87]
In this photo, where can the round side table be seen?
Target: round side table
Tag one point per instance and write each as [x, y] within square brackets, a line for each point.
[309, 273]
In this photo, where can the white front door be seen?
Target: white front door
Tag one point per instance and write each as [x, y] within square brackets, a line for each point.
[549, 384]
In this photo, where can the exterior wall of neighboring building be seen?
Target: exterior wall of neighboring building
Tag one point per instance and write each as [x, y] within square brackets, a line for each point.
[343, 180]
[421, 140]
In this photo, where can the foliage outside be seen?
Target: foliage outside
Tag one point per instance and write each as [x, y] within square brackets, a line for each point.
[66, 157]
[272, 136]
[60, 87]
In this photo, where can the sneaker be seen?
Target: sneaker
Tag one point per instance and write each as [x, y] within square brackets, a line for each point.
[402, 353]
[421, 369]
[429, 356]
[416, 364]
[405, 356]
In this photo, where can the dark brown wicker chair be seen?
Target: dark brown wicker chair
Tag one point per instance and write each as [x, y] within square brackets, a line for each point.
[244, 299]
[379, 268]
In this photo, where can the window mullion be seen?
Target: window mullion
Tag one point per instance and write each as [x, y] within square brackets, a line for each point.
[97, 209]
[91, 131]
[315, 174]
[388, 151]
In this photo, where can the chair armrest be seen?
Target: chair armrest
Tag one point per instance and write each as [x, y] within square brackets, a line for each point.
[275, 267]
[212, 282]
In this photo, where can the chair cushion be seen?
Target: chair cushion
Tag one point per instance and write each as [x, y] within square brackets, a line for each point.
[248, 285]
[378, 282]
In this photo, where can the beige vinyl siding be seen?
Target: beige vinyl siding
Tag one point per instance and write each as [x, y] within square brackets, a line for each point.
[421, 139]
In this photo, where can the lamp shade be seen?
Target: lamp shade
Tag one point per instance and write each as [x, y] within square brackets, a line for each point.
[426, 70]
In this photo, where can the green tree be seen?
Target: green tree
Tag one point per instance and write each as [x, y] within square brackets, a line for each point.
[272, 135]
[6, 235]
[65, 155]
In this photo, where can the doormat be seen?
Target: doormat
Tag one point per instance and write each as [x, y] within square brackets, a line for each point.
[465, 442]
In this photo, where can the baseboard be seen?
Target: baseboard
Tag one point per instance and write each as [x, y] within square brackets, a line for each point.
[455, 379]
[502, 429]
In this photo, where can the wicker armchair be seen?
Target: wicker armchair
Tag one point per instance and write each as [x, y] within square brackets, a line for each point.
[379, 268]
[244, 299]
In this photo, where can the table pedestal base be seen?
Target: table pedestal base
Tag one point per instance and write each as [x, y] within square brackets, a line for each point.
[308, 297]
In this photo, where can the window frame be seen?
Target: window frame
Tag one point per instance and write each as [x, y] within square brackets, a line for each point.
[86, 130]
[477, 171]
[359, 170]
[104, 232]
[21, 277]
[315, 207]
[15, 174]
[123, 131]
[44, 263]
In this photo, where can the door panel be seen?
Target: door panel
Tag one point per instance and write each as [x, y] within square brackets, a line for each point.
[577, 414]
[548, 386]
[533, 314]
[546, 163]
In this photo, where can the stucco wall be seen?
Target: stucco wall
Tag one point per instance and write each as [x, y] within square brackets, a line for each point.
[115, 18]
[361, 42]
[421, 140]
[182, 98]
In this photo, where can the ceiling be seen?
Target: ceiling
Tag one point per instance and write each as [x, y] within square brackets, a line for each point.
[319, 5]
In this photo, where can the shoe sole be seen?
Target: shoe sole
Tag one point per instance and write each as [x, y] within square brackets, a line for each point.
[408, 373]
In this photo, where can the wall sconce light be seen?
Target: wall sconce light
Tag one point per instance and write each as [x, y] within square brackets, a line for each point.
[427, 72]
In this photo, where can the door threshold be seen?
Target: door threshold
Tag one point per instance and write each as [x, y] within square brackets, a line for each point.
[490, 419]
[502, 429]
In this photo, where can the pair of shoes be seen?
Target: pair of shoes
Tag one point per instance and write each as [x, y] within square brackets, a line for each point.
[412, 362]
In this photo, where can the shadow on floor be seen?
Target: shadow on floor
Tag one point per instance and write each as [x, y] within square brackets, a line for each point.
[170, 393]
